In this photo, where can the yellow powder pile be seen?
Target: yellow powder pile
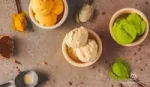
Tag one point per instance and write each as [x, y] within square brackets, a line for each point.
[19, 22]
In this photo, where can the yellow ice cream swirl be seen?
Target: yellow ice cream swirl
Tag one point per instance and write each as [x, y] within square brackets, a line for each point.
[47, 11]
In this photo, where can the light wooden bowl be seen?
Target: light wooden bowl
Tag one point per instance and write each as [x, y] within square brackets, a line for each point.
[127, 11]
[65, 14]
[75, 62]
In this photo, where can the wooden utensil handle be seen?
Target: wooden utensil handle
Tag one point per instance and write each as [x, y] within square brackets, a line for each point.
[143, 85]
[18, 6]
[140, 83]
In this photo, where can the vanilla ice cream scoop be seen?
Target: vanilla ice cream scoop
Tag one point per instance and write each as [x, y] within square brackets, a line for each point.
[77, 37]
[88, 52]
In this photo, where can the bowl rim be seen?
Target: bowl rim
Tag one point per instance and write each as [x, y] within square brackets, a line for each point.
[65, 14]
[130, 10]
[77, 64]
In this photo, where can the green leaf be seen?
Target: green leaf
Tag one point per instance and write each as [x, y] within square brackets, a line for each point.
[112, 75]
[115, 77]
[119, 60]
[120, 70]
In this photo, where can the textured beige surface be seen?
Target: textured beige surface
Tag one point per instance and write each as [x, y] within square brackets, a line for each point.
[34, 47]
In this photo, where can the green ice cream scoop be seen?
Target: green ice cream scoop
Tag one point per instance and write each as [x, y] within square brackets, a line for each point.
[126, 30]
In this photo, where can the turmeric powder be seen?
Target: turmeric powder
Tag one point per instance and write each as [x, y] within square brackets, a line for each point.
[19, 22]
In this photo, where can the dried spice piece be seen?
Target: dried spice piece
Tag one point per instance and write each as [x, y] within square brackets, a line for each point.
[6, 46]
[103, 13]
[16, 62]
[146, 2]
[19, 71]
[70, 83]
[44, 63]
[85, 12]
[121, 85]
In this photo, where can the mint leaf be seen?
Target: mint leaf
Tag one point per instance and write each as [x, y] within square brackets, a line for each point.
[120, 70]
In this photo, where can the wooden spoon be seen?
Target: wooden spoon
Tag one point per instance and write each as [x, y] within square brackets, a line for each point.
[18, 6]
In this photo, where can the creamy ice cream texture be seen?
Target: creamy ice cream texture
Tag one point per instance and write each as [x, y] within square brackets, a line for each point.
[126, 30]
[87, 52]
[46, 11]
[46, 20]
[77, 37]
[41, 6]
[84, 49]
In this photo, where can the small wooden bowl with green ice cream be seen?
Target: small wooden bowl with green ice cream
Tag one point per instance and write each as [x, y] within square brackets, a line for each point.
[129, 27]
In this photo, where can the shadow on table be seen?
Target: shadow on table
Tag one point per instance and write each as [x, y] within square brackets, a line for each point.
[110, 49]
[29, 25]
[16, 46]
[43, 78]
[72, 5]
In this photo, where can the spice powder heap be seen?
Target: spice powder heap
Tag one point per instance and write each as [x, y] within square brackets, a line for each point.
[6, 46]
[19, 22]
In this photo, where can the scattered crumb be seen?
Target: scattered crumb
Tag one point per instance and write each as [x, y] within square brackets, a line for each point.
[136, 4]
[19, 71]
[16, 62]
[54, 80]
[93, 67]
[146, 64]
[77, 85]
[147, 76]
[135, 54]
[138, 61]
[146, 3]
[142, 69]
[121, 85]
[139, 49]
[44, 63]
[141, 45]
[106, 61]
[140, 58]
[103, 13]
[81, 83]
[70, 83]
